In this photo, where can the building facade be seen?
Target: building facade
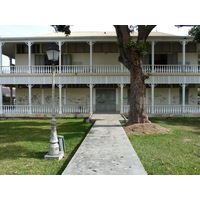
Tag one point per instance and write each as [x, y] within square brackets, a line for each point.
[89, 78]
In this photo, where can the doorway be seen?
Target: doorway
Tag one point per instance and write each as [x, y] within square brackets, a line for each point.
[105, 100]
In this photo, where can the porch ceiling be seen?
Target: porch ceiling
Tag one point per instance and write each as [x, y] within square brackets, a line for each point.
[8, 49]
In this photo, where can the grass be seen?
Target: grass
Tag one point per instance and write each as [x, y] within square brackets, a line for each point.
[23, 144]
[177, 153]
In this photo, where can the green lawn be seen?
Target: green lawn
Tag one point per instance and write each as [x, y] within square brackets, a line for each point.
[175, 153]
[23, 144]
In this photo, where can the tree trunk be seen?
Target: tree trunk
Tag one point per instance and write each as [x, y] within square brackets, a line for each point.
[137, 113]
[130, 57]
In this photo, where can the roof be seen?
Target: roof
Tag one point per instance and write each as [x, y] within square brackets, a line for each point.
[96, 34]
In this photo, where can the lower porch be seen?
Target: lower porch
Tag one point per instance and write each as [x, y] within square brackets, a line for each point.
[84, 100]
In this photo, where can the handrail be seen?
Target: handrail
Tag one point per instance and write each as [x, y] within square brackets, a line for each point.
[97, 69]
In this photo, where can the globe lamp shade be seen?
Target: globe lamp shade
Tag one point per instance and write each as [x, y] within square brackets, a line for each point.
[53, 52]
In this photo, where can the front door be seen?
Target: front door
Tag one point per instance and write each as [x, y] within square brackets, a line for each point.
[105, 100]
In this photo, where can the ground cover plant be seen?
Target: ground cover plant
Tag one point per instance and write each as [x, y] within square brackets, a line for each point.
[177, 153]
[23, 144]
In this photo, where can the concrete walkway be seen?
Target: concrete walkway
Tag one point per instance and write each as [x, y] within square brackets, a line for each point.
[106, 150]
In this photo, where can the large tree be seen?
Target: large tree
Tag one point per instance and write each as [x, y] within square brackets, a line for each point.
[131, 53]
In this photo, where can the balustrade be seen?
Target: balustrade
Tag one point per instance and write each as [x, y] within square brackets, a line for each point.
[38, 109]
[171, 109]
[40, 69]
[43, 109]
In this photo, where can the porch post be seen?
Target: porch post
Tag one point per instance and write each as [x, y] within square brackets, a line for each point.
[1, 44]
[91, 54]
[29, 43]
[30, 98]
[122, 99]
[11, 95]
[65, 95]
[1, 99]
[152, 55]
[42, 96]
[152, 97]
[91, 103]
[60, 43]
[169, 95]
[183, 97]
[60, 98]
[183, 52]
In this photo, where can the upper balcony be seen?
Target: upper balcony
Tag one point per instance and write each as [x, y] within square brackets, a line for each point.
[99, 69]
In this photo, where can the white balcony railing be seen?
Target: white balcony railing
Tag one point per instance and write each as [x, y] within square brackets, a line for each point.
[40, 69]
[43, 109]
[168, 109]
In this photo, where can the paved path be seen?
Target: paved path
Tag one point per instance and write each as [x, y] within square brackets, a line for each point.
[106, 150]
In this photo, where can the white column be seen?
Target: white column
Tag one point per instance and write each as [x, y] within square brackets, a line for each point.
[60, 43]
[29, 43]
[117, 94]
[183, 52]
[1, 99]
[169, 95]
[60, 98]
[1, 44]
[122, 98]
[152, 97]
[30, 97]
[42, 96]
[91, 54]
[94, 97]
[152, 55]
[183, 97]
[91, 104]
[147, 96]
[65, 95]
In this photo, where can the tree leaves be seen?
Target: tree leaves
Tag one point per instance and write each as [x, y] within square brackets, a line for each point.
[62, 28]
[195, 31]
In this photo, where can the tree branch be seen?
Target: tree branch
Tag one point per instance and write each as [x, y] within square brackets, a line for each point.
[144, 31]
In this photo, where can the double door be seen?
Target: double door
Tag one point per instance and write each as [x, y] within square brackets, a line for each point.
[105, 100]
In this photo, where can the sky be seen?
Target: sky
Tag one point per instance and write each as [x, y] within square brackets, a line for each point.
[34, 30]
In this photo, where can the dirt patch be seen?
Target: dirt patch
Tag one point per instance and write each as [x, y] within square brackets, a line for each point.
[145, 129]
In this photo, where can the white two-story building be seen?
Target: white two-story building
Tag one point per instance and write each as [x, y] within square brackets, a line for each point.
[89, 78]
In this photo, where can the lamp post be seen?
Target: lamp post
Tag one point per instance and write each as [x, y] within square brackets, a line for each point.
[54, 153]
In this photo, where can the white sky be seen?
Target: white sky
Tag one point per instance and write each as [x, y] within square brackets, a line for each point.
[33, 30]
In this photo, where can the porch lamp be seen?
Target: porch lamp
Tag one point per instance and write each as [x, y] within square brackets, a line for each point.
[54, 153]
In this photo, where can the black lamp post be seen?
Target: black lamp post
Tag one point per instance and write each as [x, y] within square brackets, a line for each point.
[54, 153]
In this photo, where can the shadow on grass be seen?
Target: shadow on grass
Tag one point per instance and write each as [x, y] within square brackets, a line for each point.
[30, 139]
[12, 132]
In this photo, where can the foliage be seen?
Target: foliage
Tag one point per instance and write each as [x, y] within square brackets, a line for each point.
[138, 46]
[24, 143]
[195, 31]
[62, 28]
[171, 154]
